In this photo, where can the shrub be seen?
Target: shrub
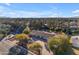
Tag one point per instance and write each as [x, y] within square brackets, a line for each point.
[35, 48]
[59, 44]
[21, 36]
[27, 30]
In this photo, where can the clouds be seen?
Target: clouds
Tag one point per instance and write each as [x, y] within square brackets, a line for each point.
[75, 12]
[8, 4]
[8, 12]
[38, 10]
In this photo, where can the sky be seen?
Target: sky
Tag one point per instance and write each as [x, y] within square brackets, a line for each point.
[39, 10]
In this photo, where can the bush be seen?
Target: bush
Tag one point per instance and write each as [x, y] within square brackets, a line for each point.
[27, 30]
[59, 44]
[35, 48]
[21, 36]
[1, 36]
